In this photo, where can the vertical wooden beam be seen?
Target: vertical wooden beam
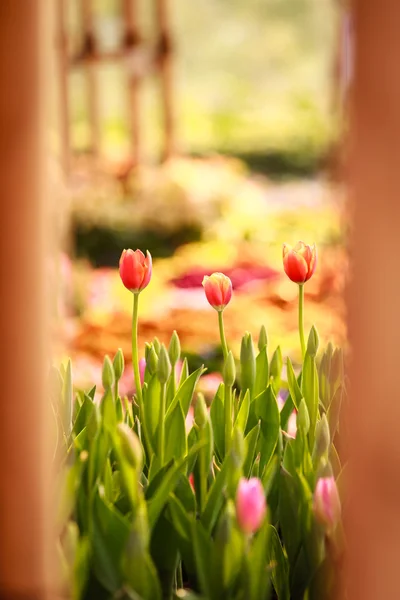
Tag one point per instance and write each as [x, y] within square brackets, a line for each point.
[63, 70]
[165, 56]
[89, 52]
[132, 43]
[24, 426]
[374, 300]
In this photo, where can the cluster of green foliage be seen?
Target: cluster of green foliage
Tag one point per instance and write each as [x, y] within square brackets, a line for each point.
[131, 525]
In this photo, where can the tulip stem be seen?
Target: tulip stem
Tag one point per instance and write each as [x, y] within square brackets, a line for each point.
[135, 353]
[228, 417]
[136, 372]
[161, 424]
[301, 320]
[222, 334]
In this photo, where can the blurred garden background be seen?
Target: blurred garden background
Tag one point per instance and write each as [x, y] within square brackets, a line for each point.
[208, 133]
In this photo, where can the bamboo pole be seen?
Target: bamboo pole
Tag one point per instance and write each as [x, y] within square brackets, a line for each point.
[89, 52]
[132, 42]
[63, 67]
[25, 508]
[373, 518]
[165, 63]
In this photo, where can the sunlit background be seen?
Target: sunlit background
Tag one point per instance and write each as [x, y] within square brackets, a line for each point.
[255, 91]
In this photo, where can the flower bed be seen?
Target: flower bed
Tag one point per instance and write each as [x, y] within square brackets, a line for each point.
[165, 495]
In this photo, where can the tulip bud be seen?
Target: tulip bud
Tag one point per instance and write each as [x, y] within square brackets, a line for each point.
[247, 362]
[229, 370]
[218, 289]
[326, 503]
[152, 361]
[130, 446]
[337, 366]
[262, 338]
[313, 342]
[174, 349]
[322, 436]
[135, 270]
[303, 418]
[200, 412]
[118, 364]
[251, 505]
[164, 365]
[299, 262]
[147, 348]
[107, 375]
[157, 345]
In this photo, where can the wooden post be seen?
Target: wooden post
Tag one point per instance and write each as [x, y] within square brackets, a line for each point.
[373, 518]
[164, 56]
[63, 69]
[25, 515]
[89, 53]
[132, 43]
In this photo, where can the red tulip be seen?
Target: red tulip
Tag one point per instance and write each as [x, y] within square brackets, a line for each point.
[218, 289]
[299, 262]
[250, 504]
[135, 269]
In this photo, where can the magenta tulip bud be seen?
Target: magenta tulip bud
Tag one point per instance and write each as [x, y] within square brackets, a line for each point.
[327, 502]
[251, 505]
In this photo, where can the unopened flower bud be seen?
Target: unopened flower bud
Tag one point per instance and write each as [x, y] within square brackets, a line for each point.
[262, 338]
[326, 504]
[303, 418]
[130, 445]
[322, 436]
[247, 362]
[313, 342]
[218, 290]
[135, 269]
[251, 505]
[164, 365]
[157, 345]
[118, 364]
[229, 370]
[299, 262]
[174, 349]
[107, 375]
[200, 412]
[152, 361]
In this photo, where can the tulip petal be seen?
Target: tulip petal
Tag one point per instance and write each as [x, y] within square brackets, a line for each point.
[295, 267]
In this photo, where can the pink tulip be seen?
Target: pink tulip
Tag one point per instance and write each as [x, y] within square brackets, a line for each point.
[292, 425]
[135, 269]
[218, 289]
[327, 502]
[142, 369]
[251, 505]
[299, 262]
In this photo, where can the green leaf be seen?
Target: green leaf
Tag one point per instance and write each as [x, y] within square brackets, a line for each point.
[167, 485]
[280, 570]
[83, 416]
[269, 474]
[183, 527]
[258, 576]
[218, 419]
[289, 514]
[107, 409]
[250, 443]
[67, 396]
[333, 413]
[275, 369]
[294, 388]
[175, 434]
[109, 535]
[243, 414]
[262, 372]
[184, 395]
[267, 410]
[310, 390]
[215, 498]
[152, 404]
[203, 553]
